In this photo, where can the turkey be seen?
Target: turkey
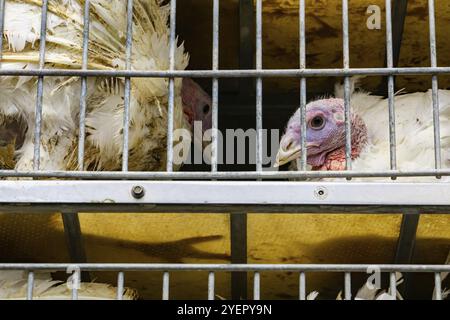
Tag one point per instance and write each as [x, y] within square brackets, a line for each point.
[105, 96]
[325, 136]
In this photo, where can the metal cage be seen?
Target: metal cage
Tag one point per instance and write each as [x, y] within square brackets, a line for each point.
[74, 191]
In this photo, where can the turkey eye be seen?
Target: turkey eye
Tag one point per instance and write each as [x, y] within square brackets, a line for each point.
[206, 108]
[317, 123]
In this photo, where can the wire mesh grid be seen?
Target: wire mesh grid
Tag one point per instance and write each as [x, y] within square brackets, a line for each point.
[215, 73]
[255, 269]
[302, 73]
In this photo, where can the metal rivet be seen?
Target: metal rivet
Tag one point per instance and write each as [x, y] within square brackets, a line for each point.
[138, 192]
[321, 193]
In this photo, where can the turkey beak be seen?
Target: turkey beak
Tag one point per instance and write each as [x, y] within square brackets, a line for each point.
[289, 150]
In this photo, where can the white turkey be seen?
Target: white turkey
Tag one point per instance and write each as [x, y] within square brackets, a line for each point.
[325, 135]
[105, 96]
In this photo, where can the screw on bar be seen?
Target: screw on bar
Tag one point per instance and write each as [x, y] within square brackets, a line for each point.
[40, 87]
[434, 86]
[215, 87]
[393, 285]
[120, 285]
[211, 280]
[30, 285]
[127, 97]
[171, 107]
[256, 286]
[302, 44]
[82, 124]
[302, 286]
[390, 63]
[259, 132]
[348, 286]
[346, 61]
[437, 286]
[165, 294]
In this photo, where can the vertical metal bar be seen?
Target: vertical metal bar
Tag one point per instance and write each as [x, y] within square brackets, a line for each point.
[75, 284]
[165, 295]
[256, 286]
[211, 281]
[390, 62]
[405, 245]
[120, 285]
[246, 44]
[259, 139]
[40, 87]
[434, 83]
[302, 31]
[74, 240]
[238, 232]
[437, 286]
[30, 285]
[393, 285]
[127, 98]
[348, 286]
[171, 107]
[215, 87]
[302, 286]
[82, 124]
[2, 25]
[346, 60]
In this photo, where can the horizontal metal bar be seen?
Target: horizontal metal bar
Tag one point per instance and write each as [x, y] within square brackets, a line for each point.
[226, 192]
[292, 73]
[166, 267]
[233, 175]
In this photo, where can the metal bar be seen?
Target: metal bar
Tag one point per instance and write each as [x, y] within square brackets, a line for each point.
[302, 286]
[252, 73]
[74, 240]
[245, 175]
[390, 62]
[2, 25]
[120, 285]
[165, 294]
[406, 244]
[259, 87]
[348, 286]
[211, 193]
[246, 44]
[171, 106]
[393, 285]
[398, 23]
[82, 122]
[202, 267]
[75, 282]
[30, 285]
[40, 88]
[127, 97]
[437, 286]
[215, 88]
[407, 237]
[346, 63]
[434, 83]
[211, 280]
[302, 44]
[238, 234]
[256, 286]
